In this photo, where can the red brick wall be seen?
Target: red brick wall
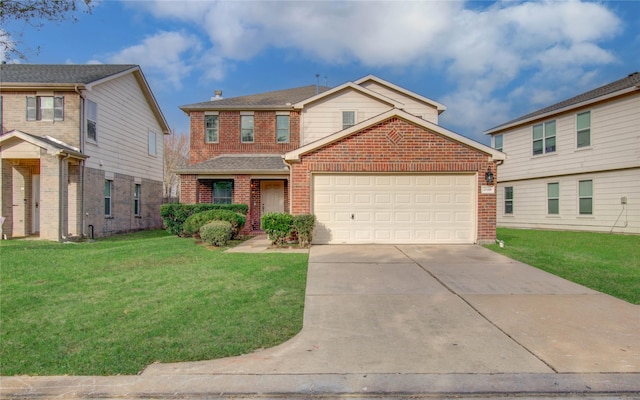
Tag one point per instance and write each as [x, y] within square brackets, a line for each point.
[188, 188]
[229, 135]
[396, 146]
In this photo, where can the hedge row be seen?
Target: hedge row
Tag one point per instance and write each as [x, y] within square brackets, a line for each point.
[174, 215]
[194, 223]
[281, 226]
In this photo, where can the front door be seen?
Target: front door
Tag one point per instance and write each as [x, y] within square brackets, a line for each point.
[272, 194]
[35, 179]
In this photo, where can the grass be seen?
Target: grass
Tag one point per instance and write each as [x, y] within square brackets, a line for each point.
[600, 261]
[115, 305]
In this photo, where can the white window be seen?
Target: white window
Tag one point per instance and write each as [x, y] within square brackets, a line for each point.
[211, 129]
[583, 129]
[91, 110]
[246, 128]
[136, 199]
[153, 151]
[585, 197]
[45, 108]
[553, 198]
[544, 138]
[508, 200]
[282, 129]
[497, 142]
[348, 119]
[108, 187]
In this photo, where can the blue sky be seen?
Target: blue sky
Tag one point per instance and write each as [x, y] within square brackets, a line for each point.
[488, 62]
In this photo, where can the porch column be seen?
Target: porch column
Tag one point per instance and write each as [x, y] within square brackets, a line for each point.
[53, 197]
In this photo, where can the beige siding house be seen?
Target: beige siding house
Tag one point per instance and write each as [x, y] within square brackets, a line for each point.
[81, 150]
[574, 165]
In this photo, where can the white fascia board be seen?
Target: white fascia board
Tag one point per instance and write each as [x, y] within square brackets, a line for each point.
[348, 85]
[295, 155]
[440, 107]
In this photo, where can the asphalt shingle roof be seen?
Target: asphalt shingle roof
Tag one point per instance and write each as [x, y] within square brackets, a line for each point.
[59, 73]
[232, 163]
[630, 81]
[278, 98]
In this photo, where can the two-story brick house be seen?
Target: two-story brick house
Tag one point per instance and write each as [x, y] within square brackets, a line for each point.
[81, 150]
[574, 165]
[368, 158]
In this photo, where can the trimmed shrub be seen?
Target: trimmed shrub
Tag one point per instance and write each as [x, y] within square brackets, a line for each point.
[303, 227]
[277, 226]
[193, 224]
[216, 233]
[174, 215]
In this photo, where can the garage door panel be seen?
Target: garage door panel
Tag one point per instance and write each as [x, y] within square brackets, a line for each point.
[401, 208]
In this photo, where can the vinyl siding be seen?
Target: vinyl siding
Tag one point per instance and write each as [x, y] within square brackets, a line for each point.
[124, 120]
[411, 105]
[325, 117]
[530, 203]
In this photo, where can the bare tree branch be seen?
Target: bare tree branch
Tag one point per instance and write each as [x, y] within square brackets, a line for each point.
[176, 155]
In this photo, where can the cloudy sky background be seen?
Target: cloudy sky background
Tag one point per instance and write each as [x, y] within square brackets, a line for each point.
[488, 62]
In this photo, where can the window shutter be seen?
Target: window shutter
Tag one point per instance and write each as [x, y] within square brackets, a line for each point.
[31, 109]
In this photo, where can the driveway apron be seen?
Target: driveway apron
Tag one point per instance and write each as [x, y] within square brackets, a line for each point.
[441, 309]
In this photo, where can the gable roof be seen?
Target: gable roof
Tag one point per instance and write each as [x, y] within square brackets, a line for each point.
[346, 86]
[440, 107]
[625, 85]
[76, 77]
[52, 145]
[295, 155]
[238, 163]
[274, 100]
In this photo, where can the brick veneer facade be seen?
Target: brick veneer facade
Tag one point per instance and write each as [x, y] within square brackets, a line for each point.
[396, 146]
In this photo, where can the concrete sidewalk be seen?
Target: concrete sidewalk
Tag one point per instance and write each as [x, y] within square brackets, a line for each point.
[420, 320]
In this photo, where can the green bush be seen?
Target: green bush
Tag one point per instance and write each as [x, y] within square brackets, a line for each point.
[193, 224]
[303, 226]
[216, 233]
[174, 215]
[277, 226]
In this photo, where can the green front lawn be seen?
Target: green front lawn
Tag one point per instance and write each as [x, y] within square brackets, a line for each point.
[604, 262]
[115, 305]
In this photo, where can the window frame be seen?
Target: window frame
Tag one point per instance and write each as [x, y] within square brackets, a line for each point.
[582, 197]
[347, 125]
[35, 108]
[545, 137]
[210, 130]
[280, 129]
[91, 119]
[495, 142]
[244, 129]
[108, 198]
[152, 143]
[508, 200]
[137, 190]
[553, 199]
[583, 130]
[222, 200]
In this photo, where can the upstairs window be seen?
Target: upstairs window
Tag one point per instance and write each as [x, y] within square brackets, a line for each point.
[583, 129]
[222, 192]
[544, 138]
[211, 128]
[246, 128]
[91, 110]
[153, 141]
[282, 129]
[508, 200]
[553, 198]
[348, 119]
[497, 142]
[45, 108]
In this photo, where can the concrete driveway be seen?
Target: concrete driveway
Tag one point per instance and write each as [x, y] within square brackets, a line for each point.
[438, 310]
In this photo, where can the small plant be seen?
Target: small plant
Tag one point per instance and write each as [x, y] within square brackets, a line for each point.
[277, 226]
[193, 224]
[216, 233]
[303, 226]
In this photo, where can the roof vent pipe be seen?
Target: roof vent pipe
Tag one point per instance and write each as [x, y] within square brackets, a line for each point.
[217, 95]
[317, 83]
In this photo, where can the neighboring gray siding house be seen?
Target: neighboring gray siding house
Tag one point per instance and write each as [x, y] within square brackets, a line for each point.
[574, 165]
[81, 151]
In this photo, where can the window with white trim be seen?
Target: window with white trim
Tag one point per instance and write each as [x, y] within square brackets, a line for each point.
[45, 108]
[544, 138]
[497, 142]
[91, 115]
[211, 128]
[246, 128]
[348, 119]
[553, 198]
[508, 200]
[153, 142]
[583, 129]
[585, 197]
[108, 188]
[282, 129]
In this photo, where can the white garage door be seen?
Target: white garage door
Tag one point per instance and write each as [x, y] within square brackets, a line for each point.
[394, 209]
